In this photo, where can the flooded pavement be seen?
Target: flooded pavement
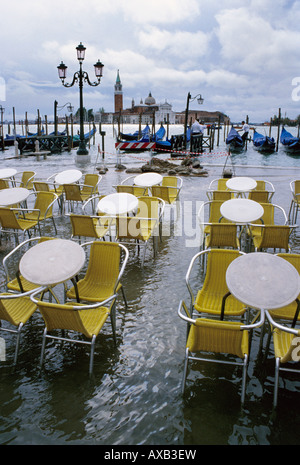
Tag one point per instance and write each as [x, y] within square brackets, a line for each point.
[133, 396]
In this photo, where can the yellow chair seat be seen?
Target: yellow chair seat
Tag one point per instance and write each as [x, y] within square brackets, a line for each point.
[17, 310]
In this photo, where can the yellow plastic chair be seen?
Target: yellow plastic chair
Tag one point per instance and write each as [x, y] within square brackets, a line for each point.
[272, 237]
[288, 313]
[295, 202]
[106, 265]
[286, 349]
[222, 235]
[89, 226]
[213, 297]
[273, 214]
[13, 223]
[77, 193]
[47, 186]
[43, 208]
[19, 283]
[209, 213]
[91, 180]
[26, 180]
[217, 337]
[87, 320]
[142, 227]
[16, 309]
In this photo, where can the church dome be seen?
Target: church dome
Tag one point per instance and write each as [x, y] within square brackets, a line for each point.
[150, 100]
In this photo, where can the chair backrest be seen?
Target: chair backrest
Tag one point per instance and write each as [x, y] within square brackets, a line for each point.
[130, 189]
[40, 186]
[4, 184]
[92, 179]
[83, 226]
[260, 196]
[260, 185]
[222, 235]
[221, 184]
[62, 316]
[220, 195]
[215, 213]
[27, 179]
[72, 192]
[8, 218]
[129, 227]
[170, 181]
[218, 336]
[275, 237]
[268, 216]
[218, 261]
[43, 203]
[148, 207]
[293, 258]
[104, 265]
[168, 194]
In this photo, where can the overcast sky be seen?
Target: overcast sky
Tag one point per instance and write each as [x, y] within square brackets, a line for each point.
[243, 57]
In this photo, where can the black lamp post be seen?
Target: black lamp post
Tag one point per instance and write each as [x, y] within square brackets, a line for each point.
[80, 77]
[70, 109]
[200, 101]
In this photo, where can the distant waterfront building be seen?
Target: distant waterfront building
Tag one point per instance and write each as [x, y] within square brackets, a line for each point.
[141, 112]
[149, 111]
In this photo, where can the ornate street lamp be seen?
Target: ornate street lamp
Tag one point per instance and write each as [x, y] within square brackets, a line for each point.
[80, 77]
[200, 101]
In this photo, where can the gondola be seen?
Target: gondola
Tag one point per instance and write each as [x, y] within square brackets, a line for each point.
[234, 141]
[87, 137]
[291, 144]
[263, 143]
[135, 135]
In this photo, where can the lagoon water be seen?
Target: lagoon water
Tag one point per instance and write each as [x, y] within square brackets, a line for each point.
[133, 397]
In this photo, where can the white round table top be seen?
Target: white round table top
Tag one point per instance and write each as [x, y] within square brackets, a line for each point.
[52, 262]
[241, 210]
[263, 280]
[118, 203]
[241, 184]
[148, 179]
[68, 176]
[13, 195]
[7, 172]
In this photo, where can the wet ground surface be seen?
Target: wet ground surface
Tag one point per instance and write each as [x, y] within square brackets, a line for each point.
[134, 394]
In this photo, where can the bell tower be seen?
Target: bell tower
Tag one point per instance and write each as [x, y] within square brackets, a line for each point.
[118, 94]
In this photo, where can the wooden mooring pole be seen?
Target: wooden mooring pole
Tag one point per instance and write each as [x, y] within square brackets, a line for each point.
[278, 128]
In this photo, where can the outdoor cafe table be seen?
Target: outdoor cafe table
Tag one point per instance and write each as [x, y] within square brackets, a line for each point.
[52, 262]
[148, 179]
[13, 196]
[263, 281]
[241, 211]
[118, 204]
[241, 184]
[68, 177]
[7, 173]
